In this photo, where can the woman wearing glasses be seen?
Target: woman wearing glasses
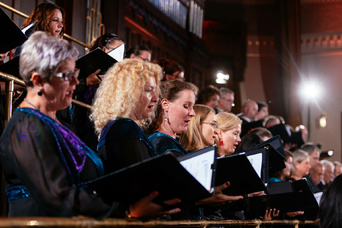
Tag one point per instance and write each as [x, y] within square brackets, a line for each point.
[201, 130]
[45, 164]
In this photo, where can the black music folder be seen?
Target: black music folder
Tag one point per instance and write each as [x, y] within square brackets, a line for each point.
[94, 60]
[297, 138]
[280, 130]
[276, 154]
[12, 36]
[162, 173]
[248, 126]
[286, 197]
[285, 202]
[240, 173]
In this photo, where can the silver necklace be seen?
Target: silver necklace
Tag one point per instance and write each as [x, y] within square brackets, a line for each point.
[31, 104]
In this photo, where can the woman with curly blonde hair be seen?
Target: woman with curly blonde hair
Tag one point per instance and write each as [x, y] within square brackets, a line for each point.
[124, 101]
[201, 130]
[228, 131]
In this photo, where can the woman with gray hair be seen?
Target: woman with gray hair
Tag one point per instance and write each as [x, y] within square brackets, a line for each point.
[300, 165]
[46, 165]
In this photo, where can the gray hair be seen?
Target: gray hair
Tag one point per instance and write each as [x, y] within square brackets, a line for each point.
[326, 163]
[43, 53]
[225, 90]
[299, 156]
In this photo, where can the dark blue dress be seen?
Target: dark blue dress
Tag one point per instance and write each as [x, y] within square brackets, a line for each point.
[123, 143]
[164, 143]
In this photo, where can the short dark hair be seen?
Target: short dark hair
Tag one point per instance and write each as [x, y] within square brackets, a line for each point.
[103, 40]
[310, 147]
[136, 50]
[206, 93]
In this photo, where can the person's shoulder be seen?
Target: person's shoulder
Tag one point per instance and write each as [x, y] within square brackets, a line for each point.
[160, 137]
[125, 127]
[21, 117]
[164, 143]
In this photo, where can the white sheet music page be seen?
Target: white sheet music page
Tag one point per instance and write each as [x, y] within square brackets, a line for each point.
[200, 168]
[118, 53]
[256, 161]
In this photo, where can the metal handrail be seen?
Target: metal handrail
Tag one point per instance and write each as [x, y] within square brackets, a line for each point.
[91, 222]
[8, 78]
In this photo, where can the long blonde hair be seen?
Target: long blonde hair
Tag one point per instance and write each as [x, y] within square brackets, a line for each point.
[191, 139]
[120, 91]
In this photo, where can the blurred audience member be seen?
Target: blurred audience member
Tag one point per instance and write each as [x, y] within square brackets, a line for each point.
[337, 168]
[209, 96]
[328, 172]
[139, 52]
[253, 138]
[313, 152]
[316, 175]
[171, 70]
[285, 173]
[226, 101]
[270, 121]
[262, 111]
[301, 165]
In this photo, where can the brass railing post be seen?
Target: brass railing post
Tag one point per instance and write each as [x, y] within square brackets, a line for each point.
[9, 89]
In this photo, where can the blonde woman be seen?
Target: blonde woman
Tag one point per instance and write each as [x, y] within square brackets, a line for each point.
[201, 130]
[228, 132]
[300, 165]
[124, 101]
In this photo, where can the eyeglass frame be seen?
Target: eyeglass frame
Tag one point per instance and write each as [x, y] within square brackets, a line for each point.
[213, 124]
[65, 76]
[145, 60]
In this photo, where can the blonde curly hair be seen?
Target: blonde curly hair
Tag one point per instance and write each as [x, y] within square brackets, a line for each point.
[120, 90]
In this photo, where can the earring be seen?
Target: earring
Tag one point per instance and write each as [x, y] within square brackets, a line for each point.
[40, 93]
[165, 119]
[220, 142]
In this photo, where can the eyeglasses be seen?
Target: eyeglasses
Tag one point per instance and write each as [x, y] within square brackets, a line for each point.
[68, 76]
[213, 124]
[143, 59]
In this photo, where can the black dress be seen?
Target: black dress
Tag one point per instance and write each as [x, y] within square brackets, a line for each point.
[45, 175]
[123, 143]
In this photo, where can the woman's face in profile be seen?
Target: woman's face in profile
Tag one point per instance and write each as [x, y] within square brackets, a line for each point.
[303, 167]
[56, 22]
[207, 129]
[181, 110]
[58, 91]
[231, 139]
[147, 101]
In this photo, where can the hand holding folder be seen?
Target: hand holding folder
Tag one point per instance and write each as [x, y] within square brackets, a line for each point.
[145, 208]
[218, 198]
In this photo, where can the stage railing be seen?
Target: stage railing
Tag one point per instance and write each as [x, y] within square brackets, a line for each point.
[91, 222]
